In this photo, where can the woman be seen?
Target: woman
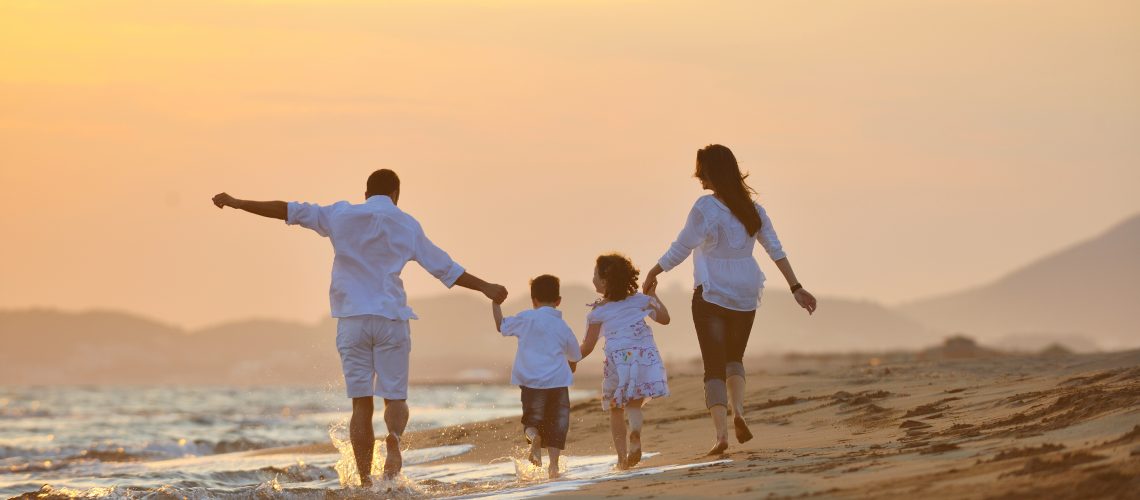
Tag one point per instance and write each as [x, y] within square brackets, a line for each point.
[722, 230]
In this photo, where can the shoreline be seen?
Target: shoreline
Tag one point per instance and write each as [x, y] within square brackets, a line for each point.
[1067, 427]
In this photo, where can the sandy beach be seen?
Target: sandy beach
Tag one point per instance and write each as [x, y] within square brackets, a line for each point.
[992, 426]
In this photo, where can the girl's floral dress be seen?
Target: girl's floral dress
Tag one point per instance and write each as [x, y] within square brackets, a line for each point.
[633, 367]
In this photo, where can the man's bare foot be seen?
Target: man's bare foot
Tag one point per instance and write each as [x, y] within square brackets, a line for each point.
[720, 447]
[365, 482]
[621, 464]
[393, 461]
[553, 472]
[743, 435]
[535, 441]
[634, 449]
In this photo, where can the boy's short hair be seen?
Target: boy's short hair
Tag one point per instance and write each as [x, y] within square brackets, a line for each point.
[545, 288]
[383, 182]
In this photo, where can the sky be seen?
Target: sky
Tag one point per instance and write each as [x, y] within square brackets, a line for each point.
[903, 149]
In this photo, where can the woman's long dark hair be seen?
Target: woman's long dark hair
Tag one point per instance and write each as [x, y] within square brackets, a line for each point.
[717, 165]
[620, 276]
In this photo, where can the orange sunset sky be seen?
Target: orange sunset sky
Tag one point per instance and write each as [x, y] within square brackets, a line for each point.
[903, 148]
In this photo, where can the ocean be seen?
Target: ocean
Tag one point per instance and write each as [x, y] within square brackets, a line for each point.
[183, 440]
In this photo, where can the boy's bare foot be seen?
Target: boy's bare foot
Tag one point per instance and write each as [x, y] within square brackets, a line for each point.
[634, 449]
[365, 482]
[743, 435]
[720, 447]
[535, 441]
[393, 461]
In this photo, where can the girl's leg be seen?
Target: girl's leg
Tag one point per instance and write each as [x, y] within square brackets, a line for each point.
[635, 416]
[738, 331]
[617, 428]
[711, 326]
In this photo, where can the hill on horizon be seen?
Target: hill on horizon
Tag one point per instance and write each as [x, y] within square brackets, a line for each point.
[1086, 291]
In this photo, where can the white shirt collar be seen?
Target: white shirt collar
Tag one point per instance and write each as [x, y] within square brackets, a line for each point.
[550, 310]
[380, 198]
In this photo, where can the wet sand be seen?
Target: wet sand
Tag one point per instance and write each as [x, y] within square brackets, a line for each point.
[992, 427]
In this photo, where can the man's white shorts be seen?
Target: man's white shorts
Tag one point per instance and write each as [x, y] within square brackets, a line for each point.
[374, 356]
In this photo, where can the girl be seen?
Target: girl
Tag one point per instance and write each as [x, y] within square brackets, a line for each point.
[633, 369]
[721, 232]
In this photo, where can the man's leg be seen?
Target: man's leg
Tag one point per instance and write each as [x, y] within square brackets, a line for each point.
[363, 438]
[355, 350]
[396, 419]
[390, 353]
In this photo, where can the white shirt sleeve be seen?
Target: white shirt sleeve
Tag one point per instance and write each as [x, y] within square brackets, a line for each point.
[435, 261]
[309, 215]
[691, 236]
[511, 326]
[767, 236]
[570, 345]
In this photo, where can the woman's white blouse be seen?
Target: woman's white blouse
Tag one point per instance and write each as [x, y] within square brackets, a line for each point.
[722, 254]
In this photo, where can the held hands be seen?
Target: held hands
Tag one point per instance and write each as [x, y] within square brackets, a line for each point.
[222, 200]
[805, 300]
[649, 287]
[497, 293]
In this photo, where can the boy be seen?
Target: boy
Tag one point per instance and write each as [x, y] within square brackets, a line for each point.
[546, 357]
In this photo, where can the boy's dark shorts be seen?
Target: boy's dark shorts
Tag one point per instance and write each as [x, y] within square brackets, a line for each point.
[547, 410]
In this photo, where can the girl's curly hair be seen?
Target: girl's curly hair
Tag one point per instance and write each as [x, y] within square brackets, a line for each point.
[620, 276]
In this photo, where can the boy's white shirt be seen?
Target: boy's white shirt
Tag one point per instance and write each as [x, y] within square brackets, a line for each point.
[372, 241]
[546, 344]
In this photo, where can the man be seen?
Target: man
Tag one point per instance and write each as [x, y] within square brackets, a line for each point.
[372, 242]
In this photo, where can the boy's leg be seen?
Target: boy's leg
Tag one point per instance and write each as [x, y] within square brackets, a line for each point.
[362, 437]
[553, 470]
[556, 424]
[534, 411]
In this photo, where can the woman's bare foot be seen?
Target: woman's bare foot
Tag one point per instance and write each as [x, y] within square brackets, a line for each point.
[743, 435]
[634, 449]
[393, 461]
[720, 447]
[535, 441]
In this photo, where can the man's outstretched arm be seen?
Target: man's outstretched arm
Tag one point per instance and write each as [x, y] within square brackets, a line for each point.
[271, 209]
[497, 293]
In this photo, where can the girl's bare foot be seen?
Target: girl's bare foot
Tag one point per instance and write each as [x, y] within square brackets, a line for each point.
[743, 435]
[621, 464]
[634, 449]
[535, 441]
[393, 461]
[720, 447]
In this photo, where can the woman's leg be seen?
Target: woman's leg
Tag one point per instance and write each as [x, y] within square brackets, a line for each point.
[711, 326]
[739, 328]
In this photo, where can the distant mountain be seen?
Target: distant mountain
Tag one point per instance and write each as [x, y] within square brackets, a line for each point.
[1088, 292]
[455, 340]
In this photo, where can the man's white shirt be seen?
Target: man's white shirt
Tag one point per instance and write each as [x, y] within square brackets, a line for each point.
[372, 242]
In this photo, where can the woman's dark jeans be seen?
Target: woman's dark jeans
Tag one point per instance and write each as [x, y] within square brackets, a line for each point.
[723, 335]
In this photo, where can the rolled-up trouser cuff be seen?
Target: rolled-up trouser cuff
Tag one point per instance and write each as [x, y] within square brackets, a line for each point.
[716, 393]
[733, 368]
